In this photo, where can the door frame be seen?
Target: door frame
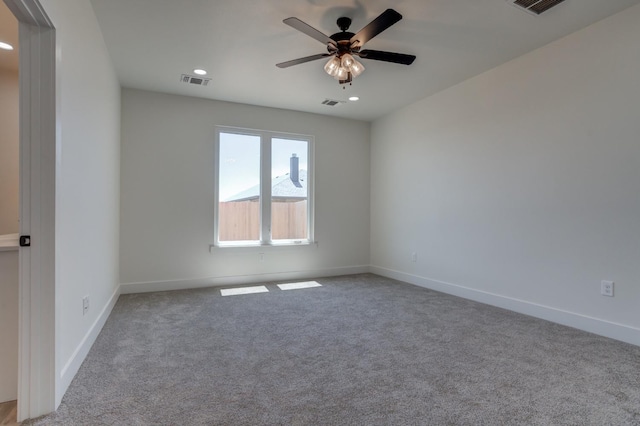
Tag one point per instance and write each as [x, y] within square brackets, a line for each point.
[39, 148]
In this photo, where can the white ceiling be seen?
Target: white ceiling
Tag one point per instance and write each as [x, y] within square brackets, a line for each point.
[8, 34]
[153, 42]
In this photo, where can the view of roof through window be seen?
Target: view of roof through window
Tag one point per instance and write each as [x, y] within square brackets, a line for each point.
[240, 163]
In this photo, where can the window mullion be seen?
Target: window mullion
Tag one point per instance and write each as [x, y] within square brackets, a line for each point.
[310, 189]
[265, 189]
[216, 194]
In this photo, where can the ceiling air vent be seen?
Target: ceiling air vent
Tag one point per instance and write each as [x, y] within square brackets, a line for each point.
[535, 7]
[193, 79]
[331, 102]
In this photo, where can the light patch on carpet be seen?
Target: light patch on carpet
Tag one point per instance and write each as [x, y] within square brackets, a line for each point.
[243, 290]
[296, 286]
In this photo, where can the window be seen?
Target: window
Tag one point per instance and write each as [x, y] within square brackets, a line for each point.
[264, 188]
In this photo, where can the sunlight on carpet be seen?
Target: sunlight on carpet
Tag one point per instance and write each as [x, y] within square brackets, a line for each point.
[296, 286]
[243, 290]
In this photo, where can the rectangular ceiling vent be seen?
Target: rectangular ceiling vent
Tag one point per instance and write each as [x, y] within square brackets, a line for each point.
[193, 79]
[535, 7]
[331, 102]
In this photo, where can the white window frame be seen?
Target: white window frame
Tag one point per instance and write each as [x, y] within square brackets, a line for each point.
[265, 188]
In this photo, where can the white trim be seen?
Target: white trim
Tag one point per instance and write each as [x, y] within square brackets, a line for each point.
[255, 247]
[72, 366]
[38, 144]
[149, 286]
[311, 190]
[598, 326]
[266, 141]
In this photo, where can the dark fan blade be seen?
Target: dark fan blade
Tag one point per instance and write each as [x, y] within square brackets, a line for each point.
[379, 55]
[302, 60]
[309, 30]
[375, 27]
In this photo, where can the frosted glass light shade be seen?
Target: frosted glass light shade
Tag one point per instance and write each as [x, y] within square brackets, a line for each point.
[332, 66]
[341, 74]
[347, 61]
[356, 68]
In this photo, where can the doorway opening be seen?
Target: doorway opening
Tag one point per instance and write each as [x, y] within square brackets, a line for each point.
[9, 213]
[37, 188]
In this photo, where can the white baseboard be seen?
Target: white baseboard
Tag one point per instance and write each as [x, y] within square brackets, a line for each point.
[601, 327]
[72, 366]
[144, 287]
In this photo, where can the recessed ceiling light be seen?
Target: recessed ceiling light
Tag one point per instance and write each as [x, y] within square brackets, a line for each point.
[200, 72]
[5, 46]
[354, 98]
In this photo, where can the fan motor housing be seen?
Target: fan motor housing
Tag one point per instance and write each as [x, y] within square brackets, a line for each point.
[343, 42]
[342, 39]
[343, 36]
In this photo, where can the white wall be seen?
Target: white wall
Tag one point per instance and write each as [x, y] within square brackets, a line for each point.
[8, 325]
[87, 183]
[9, 177]
[167, 189]
[521, 186]
[9, 151]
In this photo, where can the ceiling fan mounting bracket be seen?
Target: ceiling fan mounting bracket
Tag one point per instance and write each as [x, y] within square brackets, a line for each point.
[344, 23]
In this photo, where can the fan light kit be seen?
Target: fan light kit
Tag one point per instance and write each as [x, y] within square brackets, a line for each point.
[344, 69]
[343, 46]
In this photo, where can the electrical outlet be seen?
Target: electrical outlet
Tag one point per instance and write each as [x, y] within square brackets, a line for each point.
[261, 257]
[414, 257]
[85, 305]
[606, 288]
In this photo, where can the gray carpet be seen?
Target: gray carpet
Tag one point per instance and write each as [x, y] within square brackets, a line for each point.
[361, 350]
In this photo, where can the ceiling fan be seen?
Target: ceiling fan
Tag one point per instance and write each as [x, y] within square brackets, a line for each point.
[343, 46]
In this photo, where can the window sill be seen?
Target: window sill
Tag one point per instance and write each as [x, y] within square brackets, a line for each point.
[261, 248]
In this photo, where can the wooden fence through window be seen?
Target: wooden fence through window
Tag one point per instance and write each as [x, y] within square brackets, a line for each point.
[240, 220]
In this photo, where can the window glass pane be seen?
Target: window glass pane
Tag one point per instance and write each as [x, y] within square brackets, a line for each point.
[239, 188]
[289, 191]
